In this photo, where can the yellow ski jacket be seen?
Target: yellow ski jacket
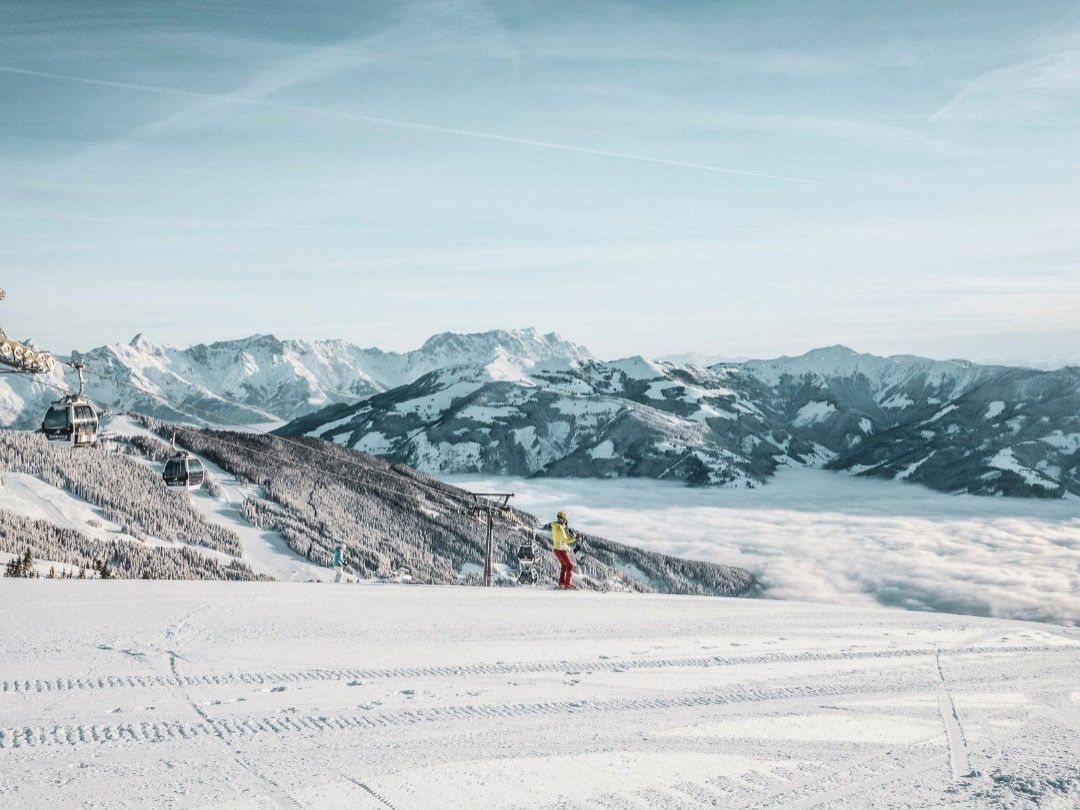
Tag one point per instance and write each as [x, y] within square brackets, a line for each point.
[561, 536]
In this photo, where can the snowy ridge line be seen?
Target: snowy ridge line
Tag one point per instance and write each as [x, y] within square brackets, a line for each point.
[151, 732]
[40, 685]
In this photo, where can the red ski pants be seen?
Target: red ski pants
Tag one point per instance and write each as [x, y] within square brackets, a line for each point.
[566, 564]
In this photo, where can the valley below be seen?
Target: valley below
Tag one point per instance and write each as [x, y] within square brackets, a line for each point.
[824, 536]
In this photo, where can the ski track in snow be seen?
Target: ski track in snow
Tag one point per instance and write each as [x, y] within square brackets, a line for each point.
[129, 693]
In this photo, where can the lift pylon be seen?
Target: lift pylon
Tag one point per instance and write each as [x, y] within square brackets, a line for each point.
[486, 504]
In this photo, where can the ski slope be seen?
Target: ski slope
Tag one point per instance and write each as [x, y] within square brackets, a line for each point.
[271, 695]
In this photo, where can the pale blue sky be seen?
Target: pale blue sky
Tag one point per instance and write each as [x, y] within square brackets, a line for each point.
[745, 178]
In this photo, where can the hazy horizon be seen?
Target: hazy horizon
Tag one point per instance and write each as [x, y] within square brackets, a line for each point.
[691, 356]
[737, 179]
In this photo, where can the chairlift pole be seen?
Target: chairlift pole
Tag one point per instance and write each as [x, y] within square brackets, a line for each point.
[488, 502]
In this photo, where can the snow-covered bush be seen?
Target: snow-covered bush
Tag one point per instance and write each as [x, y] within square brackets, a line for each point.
[123, 558]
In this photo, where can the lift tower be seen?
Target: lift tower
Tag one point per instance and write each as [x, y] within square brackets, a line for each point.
[485, 504]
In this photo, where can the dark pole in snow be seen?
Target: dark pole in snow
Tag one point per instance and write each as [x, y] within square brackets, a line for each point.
[488, 507]
[488, 550]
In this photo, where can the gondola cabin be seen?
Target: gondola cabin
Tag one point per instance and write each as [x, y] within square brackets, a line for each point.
[184, 470]
[73, 420]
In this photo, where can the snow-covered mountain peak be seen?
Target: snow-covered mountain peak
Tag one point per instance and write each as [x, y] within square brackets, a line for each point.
[267, 343]
[140, 344]
[828, 361]
[638, 368]
[526, 345]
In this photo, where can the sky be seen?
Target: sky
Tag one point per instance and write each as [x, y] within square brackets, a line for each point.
[729, 178]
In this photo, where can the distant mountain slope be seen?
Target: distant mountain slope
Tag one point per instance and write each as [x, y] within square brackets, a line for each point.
[630, 417]
[952, 425]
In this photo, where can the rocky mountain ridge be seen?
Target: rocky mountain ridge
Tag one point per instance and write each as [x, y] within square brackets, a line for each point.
[951, 425]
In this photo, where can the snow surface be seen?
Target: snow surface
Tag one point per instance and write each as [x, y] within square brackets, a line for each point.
[374, 443]
[604, 450]
[814, 411]
[253, 695]
[1067, 442]
[1005, 459]
[637, 368]
[813, 534]
[898, 401]
[940, 414]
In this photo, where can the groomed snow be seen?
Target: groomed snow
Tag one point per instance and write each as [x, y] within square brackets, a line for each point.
[251, 695]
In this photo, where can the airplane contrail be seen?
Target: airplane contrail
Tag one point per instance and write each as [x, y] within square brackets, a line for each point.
[400, 124]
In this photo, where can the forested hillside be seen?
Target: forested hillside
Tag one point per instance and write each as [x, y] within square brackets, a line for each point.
[392, 518]
[158, 533]
[393, 521]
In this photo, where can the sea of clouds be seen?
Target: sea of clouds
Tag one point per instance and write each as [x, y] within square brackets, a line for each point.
[828, 537]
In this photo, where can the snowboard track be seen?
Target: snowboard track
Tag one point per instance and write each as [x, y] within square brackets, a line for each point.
[153, 732]
[43, 685]
[958, 755]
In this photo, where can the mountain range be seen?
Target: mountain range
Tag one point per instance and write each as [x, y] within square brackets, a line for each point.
[259, 380]
[520, 402]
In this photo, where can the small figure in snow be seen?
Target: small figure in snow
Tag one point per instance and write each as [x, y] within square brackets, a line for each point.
[339, 562]
[562, 537]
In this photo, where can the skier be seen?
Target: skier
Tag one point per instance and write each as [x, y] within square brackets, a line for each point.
[562, 537]
[339, 561]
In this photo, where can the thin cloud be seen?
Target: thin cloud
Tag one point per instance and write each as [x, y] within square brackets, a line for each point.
[1022, 89]
[400, 124]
